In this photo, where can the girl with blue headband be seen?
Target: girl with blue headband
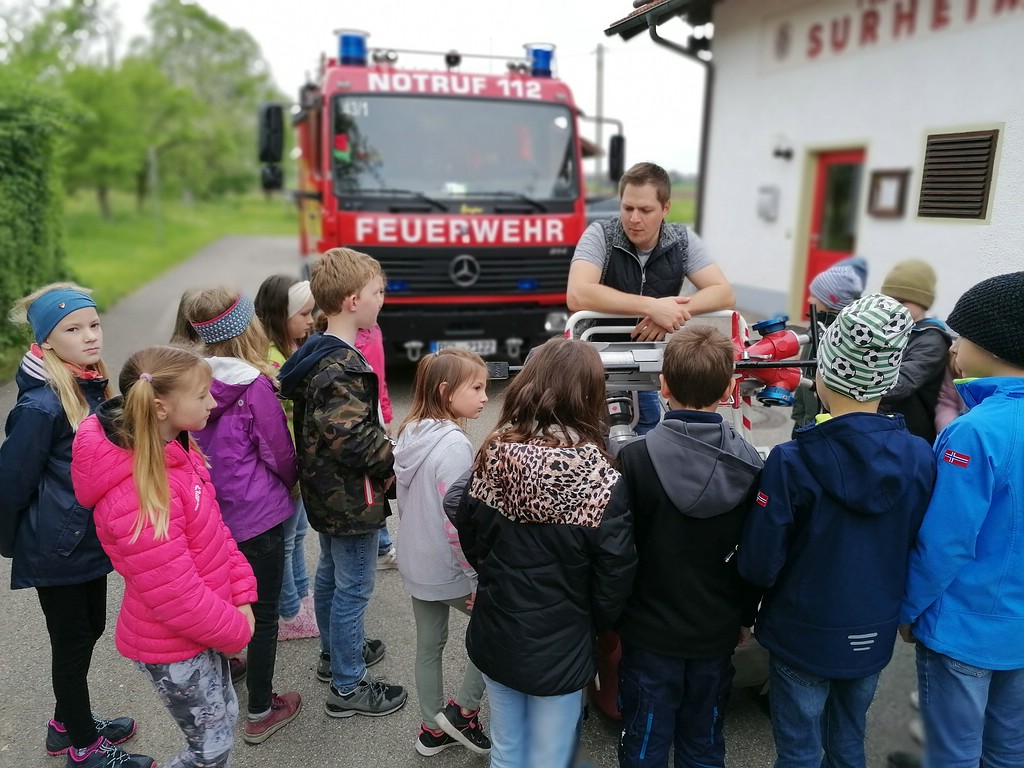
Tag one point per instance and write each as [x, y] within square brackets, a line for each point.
[51, 538]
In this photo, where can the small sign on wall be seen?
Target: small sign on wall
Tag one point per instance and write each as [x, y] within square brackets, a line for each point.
[768, 203]
[887, 197]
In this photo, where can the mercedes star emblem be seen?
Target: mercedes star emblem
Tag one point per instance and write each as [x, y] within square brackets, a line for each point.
[464, 270]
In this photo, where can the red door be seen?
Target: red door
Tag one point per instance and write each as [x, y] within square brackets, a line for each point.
[833, 237]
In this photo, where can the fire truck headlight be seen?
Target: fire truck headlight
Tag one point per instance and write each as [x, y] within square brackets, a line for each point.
[555, 322]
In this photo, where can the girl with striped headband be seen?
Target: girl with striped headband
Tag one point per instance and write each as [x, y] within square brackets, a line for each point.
[253, 467]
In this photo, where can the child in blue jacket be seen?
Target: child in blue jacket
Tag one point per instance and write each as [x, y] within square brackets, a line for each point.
[965, 586]
[829, 536]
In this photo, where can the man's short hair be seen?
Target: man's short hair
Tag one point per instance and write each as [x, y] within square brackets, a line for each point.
[338, 274]
[697, 365]
[648, 173]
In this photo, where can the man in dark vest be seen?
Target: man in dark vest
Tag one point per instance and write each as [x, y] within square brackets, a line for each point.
[635, 265]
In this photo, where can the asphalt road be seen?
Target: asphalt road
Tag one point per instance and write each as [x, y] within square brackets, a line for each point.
[314, 739]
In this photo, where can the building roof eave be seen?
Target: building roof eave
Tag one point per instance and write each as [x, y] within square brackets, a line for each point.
[655, 12]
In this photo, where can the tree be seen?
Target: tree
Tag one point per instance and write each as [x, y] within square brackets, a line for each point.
[105, 145]
[225, 71]
[45, 40]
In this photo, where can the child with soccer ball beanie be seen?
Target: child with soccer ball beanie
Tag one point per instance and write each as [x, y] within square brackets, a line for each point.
[964, 600]
[829, 537]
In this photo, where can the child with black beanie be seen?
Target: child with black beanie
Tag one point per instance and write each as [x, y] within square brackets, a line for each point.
[964, 600]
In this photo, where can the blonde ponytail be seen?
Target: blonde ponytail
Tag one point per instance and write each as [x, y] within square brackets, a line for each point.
[151, 373]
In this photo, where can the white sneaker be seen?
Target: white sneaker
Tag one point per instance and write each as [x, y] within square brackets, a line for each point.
[388, 561]
[916, 729]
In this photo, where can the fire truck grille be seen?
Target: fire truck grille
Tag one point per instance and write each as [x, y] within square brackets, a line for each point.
[426, 272]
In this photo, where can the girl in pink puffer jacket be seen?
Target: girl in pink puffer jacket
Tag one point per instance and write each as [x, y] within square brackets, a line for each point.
[188, 589]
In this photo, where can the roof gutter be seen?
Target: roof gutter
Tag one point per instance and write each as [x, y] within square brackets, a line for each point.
[705, 127]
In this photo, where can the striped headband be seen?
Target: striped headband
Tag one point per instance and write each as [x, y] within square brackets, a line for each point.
[298, 297]
[229, 323]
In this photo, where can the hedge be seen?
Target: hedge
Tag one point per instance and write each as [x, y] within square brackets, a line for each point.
[31, 229]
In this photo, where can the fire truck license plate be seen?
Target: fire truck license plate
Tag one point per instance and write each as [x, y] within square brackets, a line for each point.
[480, 346]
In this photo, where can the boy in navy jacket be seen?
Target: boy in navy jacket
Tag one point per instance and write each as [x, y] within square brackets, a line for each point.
[965, 585]
[829, 537]
[691, 481]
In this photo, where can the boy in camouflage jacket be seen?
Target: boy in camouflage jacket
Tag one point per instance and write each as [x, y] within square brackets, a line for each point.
[345, 469]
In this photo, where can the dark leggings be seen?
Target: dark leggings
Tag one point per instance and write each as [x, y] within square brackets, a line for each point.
[75, 617]
[265, 553]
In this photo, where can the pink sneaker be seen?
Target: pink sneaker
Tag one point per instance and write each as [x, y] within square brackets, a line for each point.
[299, 627]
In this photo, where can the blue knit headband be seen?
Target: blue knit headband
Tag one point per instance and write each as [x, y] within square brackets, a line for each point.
[230, 323]
[53, 306]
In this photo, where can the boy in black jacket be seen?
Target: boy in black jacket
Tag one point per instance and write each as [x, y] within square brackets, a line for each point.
[691, 481]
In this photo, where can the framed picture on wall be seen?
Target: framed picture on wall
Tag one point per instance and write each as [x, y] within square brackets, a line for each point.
[887, 197]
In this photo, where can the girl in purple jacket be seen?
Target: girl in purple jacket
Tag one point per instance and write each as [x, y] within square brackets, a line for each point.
[253, 466]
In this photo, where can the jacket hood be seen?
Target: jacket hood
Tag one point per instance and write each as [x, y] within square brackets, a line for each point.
[31, 373]
[100, 464]
[416, 443]
[840, 451]
[530, 483]
[305, 359]
[932, 324]
[973, 391]
[720, 467]
[231, 377]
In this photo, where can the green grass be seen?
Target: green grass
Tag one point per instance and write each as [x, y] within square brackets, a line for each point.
[682, 209]
[117, 256]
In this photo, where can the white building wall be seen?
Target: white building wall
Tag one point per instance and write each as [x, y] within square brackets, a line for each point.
[885, 98]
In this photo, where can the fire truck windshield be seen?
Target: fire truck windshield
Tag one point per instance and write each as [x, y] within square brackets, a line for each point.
[438, 148]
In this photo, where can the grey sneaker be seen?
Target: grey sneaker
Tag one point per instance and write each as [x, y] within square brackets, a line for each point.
[373, 651]
[373, 697]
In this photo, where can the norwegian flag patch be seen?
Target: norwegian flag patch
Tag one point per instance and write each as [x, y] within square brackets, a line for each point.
[762, 499]
[956, 459]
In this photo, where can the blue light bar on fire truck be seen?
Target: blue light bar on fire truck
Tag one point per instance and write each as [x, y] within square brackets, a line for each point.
[541, 56]
[352, 47]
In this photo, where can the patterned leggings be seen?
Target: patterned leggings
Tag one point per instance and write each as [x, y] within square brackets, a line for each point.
[199, 695]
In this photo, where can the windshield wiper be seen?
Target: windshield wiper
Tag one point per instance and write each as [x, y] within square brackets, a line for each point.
[516, 195]
[408, 192]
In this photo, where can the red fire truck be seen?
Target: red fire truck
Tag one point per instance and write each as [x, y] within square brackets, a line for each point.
[468, 188]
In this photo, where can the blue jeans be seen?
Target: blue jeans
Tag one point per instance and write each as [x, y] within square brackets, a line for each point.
[265, 553]
[969, 713]
[532, 731]
[649, 406]
[384, 542]
[341, 593]
[295, 584]
[818, 722]
[666, 700]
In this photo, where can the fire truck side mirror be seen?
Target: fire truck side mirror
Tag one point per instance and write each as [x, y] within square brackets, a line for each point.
[616, 156]
[271, 133]
[271, 178]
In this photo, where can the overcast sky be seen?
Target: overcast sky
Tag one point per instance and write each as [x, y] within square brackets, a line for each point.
[655, 92]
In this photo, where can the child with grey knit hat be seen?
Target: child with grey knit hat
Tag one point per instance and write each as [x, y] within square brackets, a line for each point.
[964, 599]
[830, 291]
[829, 537]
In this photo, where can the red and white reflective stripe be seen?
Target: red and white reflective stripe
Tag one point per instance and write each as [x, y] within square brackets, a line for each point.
[368, 489]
